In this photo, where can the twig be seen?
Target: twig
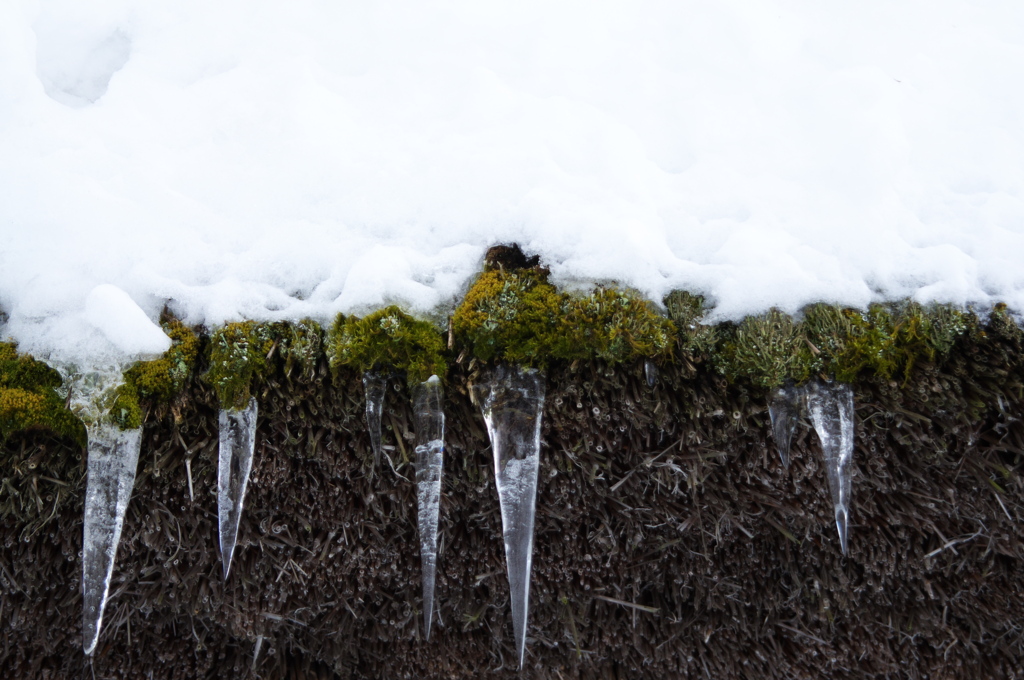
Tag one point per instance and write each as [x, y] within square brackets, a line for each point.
[649, 610]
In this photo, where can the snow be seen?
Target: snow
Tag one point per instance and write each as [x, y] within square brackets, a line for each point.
[283, 160]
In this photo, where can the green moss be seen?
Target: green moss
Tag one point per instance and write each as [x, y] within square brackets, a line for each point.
[613, 325]
[302, 345]
[123, 408]
[238, 357]
[766, 350]
[844, 344]
[388, 339]
[517, 316]
[29, 398]
[163, 378]
[509, 315]
[686, 311]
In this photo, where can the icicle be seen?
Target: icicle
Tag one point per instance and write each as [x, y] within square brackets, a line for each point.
[512, 403]
[237, 442]
[428, 405]
[650, 372]
[784, 410]
[375, 385]
[113, 455]
[831, 409]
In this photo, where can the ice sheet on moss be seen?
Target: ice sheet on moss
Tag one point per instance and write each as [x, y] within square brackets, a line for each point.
[302, 159]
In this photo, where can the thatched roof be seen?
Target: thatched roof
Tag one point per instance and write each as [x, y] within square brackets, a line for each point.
[670, 542]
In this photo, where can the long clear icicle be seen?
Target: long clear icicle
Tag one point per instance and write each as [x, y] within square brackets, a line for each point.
[512, 403]
[784, 410]
[428, 409]
[375, 385]
[831, 409]
[237, 442]
[113, 456]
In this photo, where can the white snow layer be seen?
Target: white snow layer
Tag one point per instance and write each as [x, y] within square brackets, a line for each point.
[279, 160]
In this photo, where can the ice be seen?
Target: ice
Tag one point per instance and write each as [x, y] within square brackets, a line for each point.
[112, 458]
[428, 407]
[237, 442]
[375, 385]
[831, 409]
[650, 372]
[512, 402]
[784, 410]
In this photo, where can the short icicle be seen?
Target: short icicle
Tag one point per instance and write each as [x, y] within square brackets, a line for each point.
[831, 409]
[237, 442]
[113, 455]
[375, 385]
[512, 403]
[428, 409]
[784, 410]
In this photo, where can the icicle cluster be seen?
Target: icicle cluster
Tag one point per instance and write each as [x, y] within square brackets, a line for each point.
[830, 406]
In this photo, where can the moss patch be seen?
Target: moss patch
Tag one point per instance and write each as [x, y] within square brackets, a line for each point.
[156, 381]
[239, 353]
[29, 398]
[886, 341]
[388, 339]
[517, 316]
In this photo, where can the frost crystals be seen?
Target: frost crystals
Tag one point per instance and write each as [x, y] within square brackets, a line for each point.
[237, 441]
[112, 458]
[831, 408]
[784, 411]
[429, 414]
[512, 403]
[374, 384]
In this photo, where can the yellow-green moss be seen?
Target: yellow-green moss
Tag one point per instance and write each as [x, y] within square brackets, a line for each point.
[388, 339]
[841, 343]
[302, 345]
[766, 350]
[29, 398]
[614, 325]
[517, 316]
[238, 357]
[158, 381]
[686, 311]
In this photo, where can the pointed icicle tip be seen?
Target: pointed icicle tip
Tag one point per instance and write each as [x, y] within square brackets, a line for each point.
[842, 517]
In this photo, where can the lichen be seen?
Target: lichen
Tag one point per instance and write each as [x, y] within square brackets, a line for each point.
[29, 397]
[388, 339]
[518, 317]
[239, 354]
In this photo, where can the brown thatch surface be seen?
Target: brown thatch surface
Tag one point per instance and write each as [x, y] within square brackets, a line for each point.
[670, 542]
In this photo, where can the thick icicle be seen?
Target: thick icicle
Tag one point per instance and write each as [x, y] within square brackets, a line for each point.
[113, 455]
[237, 442]
[428, 407]
[784, 410]
[512, 403]
[375, 385]
[831, 409]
